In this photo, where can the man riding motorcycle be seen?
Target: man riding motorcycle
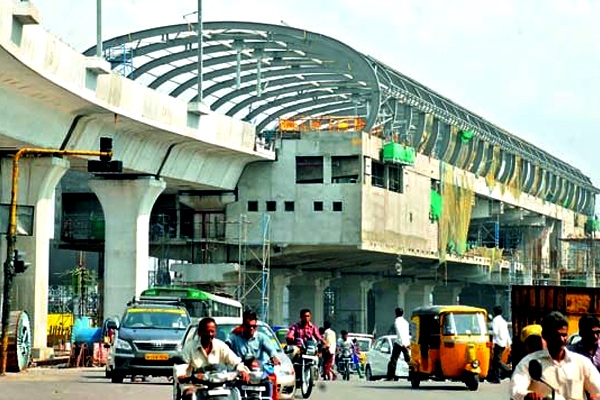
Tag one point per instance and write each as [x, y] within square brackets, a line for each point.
[303, 330]
[204, 350]
[246, 341]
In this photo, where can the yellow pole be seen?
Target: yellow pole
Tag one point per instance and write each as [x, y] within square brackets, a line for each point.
[11, 237]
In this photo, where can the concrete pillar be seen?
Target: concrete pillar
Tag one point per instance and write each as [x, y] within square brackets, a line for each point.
[365, 286]
[280, 284]
[38, 178]
[449, 294]
[127, 205]
[418, 295]
[402, 291]
[321, 283]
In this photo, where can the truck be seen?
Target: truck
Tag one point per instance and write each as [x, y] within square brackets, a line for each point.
[530, 303]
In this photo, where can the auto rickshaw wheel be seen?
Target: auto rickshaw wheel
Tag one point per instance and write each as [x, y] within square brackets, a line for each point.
[472, 381]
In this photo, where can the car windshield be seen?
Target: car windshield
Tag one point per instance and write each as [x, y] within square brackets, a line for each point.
[364, 344]
[156, 319]
[223, 331]
[464, 324]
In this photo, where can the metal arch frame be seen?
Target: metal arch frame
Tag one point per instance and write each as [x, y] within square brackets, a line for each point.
[381, 82]
[304, 45]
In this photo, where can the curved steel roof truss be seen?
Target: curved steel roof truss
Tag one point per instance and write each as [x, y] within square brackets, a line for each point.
[271, 71]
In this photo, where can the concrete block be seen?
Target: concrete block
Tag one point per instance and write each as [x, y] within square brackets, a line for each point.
[26, 13]
[198, 108]
[42, 353]
[97, 65]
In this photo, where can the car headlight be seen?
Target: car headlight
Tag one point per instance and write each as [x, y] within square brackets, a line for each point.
[123, 345]
[475, 363]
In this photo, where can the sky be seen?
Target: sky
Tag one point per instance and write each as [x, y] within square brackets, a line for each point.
[531, 67]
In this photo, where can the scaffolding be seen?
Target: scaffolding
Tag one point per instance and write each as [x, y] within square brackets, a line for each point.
[255, 280]
[582, 262]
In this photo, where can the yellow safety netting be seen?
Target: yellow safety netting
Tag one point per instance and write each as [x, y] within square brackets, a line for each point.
[514, 185]
[490, 177]
[458, 197]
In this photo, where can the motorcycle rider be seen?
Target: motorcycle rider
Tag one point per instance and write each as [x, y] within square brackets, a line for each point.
[344, 342]
[203, 350]
[245, 340]
[303, 330]
[567, 372]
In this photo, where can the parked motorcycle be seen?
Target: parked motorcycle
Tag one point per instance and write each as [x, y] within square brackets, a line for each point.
[306, 364]
[214, 382]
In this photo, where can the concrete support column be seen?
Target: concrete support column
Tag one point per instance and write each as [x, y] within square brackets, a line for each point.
[448, 295]
[321, 284]
[402, 291]
[38, 178]
[280, 283]
[365, 286]
[418, 295]
[127, 205]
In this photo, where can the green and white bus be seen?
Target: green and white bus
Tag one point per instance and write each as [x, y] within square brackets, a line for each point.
[199, 303]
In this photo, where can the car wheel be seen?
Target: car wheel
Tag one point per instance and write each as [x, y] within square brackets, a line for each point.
[116, 378]
[369, 373]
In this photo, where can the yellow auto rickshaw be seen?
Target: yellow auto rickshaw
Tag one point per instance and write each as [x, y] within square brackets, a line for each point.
[449, 343]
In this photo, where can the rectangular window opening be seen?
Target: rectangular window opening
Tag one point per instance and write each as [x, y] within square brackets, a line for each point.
[345, 169]
[253, 206]
[309, 169]
[395, 175]
[377, 174]
[318, 206]
[271, 206]
[289, 206]
[337, 206]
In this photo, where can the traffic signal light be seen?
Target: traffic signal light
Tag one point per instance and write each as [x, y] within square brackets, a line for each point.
[19, 263]
[106, 165]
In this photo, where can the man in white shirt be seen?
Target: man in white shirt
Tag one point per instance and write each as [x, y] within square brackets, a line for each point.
[571, 375]
[501, 340]
[204, 350]
[401, 344]
[329, 355]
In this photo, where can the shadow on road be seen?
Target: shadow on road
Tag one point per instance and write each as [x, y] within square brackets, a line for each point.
[103, 379]
[425, 388]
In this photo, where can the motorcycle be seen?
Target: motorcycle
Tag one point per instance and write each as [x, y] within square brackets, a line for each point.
[214, 382]
[345, 364]
[306, 363]
[259, 387]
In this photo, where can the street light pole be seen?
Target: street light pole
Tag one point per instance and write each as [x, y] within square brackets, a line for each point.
[200, 52]
[99, 28]
[11, 237]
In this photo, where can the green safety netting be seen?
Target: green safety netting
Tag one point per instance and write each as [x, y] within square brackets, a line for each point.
[465, 136]
[592, 225]
[436, 205]
[398, 153]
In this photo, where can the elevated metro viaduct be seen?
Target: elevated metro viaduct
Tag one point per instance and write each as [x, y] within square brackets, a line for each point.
[53, 97]
[292, 74]
[353, 233]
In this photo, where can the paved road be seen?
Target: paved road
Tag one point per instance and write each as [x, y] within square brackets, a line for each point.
[89, 384]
